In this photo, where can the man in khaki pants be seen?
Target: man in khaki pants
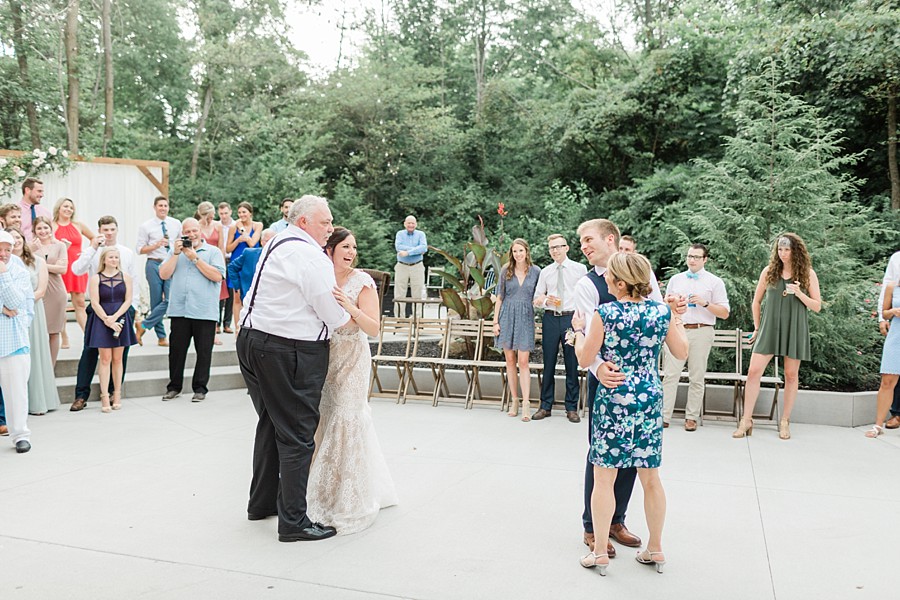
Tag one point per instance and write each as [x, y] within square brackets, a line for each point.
[411, 247]
[707, 301]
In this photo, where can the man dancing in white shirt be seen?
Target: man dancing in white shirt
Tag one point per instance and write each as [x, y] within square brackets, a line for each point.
[286, 322]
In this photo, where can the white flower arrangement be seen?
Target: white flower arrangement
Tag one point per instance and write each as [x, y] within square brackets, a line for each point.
[31, 164]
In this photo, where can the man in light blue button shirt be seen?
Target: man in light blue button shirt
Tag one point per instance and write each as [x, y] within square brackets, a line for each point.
[196, 270]
[411, 247]
[282, 224]
[16, 313]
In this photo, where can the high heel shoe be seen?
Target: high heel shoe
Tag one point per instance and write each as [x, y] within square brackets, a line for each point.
[104, 402]
[514, 411]
[645, 557]
[117, 400]
[526, 410]
[745, 429]
[589, 561]
[875, 431]
[784, 429]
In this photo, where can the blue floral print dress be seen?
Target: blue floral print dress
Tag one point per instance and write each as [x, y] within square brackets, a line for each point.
[627, 421]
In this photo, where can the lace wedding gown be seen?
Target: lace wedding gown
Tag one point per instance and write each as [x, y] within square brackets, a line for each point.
[349, 481]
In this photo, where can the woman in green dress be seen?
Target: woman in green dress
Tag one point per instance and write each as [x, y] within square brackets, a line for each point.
[791, 289]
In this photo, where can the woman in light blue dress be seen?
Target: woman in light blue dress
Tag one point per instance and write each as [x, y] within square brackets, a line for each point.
[890, 358]
[627, 420]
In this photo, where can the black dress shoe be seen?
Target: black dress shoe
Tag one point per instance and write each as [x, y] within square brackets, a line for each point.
[316, 531]
[23, 446]
[260, 516]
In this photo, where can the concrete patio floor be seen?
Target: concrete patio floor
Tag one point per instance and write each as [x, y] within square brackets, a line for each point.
[150, 502]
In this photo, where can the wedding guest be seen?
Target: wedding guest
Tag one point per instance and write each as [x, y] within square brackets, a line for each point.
[890, 358]
[282, 223]
[10, 216]
[555, 293]
[112, 329]
[707, 301]
[196, 270]
[243, 233]
[411, 246]
[514, 323]
[155, 240]
[42, 393]
[791, 290]
[17, 308]
[294, 285]
[30, 204]
[891, 275]
[225, 306]
[89, 264]
[211, 232]
[626, 421]
[71, 232]
[241, 270]
[54, 254]
[599, 240]
[628, 245]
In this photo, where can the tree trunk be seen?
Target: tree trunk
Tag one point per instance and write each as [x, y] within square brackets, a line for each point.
[108, 62]
[892, 147]
[480, 57]
[201, 127]
[22, 58]
[70, 38]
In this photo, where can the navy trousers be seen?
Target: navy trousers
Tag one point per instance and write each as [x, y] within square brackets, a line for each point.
[554, 332]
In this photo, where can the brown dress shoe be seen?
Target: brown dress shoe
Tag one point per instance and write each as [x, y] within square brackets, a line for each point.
[665, 424]
[4, 430]
[573, 416]
[589, 542]
[77, 405]
[540, 414]
[690, 425]
[893, 422]
[620, 533]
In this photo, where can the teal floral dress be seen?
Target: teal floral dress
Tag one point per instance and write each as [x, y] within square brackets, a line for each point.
[627, 421]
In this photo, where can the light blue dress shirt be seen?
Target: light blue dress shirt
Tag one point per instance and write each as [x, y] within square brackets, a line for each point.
[191, 294]
[279, 226]
[15, 294]
[414, 243]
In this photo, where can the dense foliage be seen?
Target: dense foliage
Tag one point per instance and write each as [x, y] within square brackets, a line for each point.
[716, 122]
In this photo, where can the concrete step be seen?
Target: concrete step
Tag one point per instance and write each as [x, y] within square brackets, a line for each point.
[68, 367]
[153, 383]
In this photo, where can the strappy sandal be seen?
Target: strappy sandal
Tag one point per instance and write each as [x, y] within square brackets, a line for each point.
[649, 560]
[589, 561]
[875, 431]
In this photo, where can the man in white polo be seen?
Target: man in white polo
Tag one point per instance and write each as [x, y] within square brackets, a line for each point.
[706, 301]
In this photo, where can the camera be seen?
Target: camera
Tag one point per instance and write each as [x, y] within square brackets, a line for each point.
[185, 241]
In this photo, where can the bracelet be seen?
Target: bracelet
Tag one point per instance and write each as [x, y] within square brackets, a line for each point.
[581, 331]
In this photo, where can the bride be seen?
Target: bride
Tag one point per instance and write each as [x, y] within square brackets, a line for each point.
[349, 481]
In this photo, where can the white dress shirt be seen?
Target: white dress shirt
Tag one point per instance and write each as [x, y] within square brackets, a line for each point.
[294, 299]
[587, 299]
[708, 287]
[89, 263]
[150, 232]
[891, 275]
[548, 281]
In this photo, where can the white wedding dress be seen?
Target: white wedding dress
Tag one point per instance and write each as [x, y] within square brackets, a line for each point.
[349, 481]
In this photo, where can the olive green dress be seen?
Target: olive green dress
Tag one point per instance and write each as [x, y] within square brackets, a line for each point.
[784, 327]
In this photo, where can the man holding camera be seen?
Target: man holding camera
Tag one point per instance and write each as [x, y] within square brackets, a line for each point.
[195, 271]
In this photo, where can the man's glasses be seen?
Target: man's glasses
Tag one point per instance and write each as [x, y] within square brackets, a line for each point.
[695, 257]
[558, 246]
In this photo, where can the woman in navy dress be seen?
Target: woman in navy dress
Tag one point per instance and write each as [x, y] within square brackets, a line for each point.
[890, 358]
[514, 321]
[627, 421]
[111, 328]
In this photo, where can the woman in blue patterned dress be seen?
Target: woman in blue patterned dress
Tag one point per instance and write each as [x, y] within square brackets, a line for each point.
[890, 358]
[514, 321]
[627, 421]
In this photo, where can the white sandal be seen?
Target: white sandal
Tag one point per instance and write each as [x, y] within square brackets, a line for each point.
[875, 431]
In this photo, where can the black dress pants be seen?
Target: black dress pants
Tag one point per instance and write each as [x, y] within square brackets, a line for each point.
[624, 479]
[285, 379]
[203, 333]
[87, 364]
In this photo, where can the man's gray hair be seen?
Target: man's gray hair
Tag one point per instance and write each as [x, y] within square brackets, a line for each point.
[266, 235]
[190, 220]
[305, 207]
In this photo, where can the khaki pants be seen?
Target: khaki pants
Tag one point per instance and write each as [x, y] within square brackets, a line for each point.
[699, 344]
[408, 276]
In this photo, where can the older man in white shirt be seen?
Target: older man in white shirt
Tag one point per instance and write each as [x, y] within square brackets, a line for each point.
[707, 301]
[555, 293]
[283, 348]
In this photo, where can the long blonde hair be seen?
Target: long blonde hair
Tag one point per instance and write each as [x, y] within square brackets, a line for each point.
[58, 204]
[101, 265]
[633, 270]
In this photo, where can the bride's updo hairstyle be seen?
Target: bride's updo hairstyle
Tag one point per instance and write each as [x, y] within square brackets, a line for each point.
[633, 270]
[338, 235]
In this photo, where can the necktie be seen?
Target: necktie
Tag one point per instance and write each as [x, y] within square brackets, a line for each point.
[691, 275]
[33, 216]
[163, 225]
[561, 286]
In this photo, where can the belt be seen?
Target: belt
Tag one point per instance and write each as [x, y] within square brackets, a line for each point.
[696, 325]
[159, 260]
[559, 313]
[409, 264]
[271, 337]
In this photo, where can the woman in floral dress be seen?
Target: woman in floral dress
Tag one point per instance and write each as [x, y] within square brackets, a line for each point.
[627, 420]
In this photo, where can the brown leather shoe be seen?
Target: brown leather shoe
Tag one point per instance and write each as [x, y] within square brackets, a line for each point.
[78, 404]
[893, 422]
[4, 430]
[665, 424]
[589, 542]
[620, 533]
[540, 414]
[163, 342]
[573, 416]
[690, 425]
[139, 332]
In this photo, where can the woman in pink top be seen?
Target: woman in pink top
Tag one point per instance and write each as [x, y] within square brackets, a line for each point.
[70, 232]
[212, 235]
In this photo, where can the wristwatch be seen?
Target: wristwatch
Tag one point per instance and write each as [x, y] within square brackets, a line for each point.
[196, 260]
